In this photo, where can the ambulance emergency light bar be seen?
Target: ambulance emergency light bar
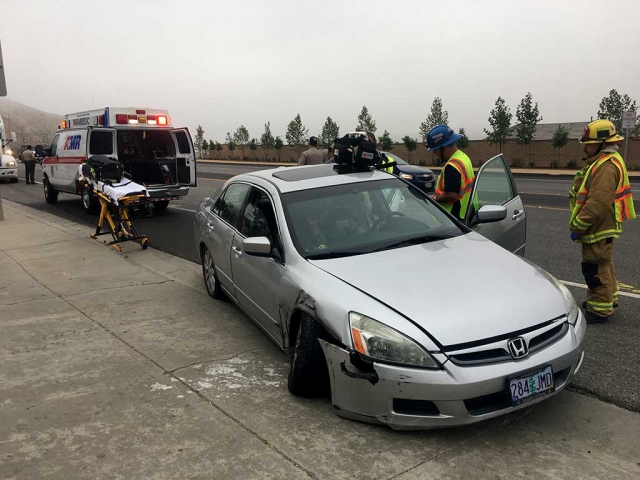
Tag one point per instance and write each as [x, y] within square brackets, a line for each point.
[117, 117]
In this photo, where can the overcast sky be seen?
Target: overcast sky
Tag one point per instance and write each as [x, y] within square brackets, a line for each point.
[223, 64]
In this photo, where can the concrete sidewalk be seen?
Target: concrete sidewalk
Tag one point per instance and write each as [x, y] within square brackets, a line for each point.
[120, 366]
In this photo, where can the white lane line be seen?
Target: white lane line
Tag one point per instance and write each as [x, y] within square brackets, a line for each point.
[175, 207]
[580, 285]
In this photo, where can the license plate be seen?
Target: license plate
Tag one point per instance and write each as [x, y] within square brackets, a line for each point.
[532, 385]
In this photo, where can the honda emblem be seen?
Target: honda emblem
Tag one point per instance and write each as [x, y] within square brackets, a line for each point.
[518, 347]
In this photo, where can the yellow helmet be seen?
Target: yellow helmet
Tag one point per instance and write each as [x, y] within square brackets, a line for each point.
[600, 131]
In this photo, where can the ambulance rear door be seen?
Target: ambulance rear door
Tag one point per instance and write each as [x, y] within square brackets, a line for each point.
[185, 156]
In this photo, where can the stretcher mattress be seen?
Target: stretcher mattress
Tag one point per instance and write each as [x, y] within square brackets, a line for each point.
[115, 191]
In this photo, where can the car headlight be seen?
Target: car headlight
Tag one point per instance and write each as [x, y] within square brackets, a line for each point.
[381, 342]
[570, 303]
[11, 164]
[406, 176]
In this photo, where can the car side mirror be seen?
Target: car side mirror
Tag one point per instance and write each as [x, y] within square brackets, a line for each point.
[492, 213]
[257, 246]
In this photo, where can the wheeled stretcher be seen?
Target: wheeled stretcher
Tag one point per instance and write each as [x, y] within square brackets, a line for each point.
[116, 201]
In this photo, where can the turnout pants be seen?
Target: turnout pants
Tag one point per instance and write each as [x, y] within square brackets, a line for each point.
[30, 170]
[600, 276]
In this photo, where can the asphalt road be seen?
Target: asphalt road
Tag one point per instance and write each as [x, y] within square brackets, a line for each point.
[610, 371]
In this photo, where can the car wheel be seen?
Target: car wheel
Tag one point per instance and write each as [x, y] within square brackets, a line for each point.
[309, 376]
[161, 205]
[210, 277]
[13, 180]
[50, 193]
[89, 202]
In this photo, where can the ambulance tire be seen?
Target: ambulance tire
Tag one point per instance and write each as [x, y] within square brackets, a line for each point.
[158, 206]
[309, 375]
[50, 193]
[90, 203]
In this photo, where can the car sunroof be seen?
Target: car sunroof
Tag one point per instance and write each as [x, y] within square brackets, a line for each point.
[297, 174]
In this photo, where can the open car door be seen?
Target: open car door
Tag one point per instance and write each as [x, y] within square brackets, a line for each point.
[186, 157]
[495, 185]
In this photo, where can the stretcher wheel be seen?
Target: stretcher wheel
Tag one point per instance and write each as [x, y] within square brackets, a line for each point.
[144, 243]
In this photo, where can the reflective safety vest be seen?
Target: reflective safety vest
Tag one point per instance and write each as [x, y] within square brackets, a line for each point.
[623, 208]
[386, 159]
[461, 162]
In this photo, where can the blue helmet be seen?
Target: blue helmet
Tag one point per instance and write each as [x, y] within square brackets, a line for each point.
[441, 136]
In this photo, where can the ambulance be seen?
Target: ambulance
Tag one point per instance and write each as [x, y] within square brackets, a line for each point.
[152, 152]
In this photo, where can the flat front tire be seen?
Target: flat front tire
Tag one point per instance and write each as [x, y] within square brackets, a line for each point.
[309, 376]
[210, 277]
[50, 193]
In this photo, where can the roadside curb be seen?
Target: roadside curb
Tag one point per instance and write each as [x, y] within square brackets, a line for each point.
[517, 172]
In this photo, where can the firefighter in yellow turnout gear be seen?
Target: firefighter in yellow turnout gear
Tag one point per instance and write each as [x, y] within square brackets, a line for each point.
[600, 201]
[455, 183]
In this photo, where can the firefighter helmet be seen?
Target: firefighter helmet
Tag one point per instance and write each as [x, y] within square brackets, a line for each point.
[600, 131]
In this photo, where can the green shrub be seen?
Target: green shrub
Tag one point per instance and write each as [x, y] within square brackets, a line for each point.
[572, 165]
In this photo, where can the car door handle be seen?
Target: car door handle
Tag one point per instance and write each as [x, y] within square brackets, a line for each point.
[517, 214]
[210, 226]
[237, 251]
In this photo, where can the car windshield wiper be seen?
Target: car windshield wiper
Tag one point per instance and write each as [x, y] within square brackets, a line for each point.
[415, 241]
[327, 255]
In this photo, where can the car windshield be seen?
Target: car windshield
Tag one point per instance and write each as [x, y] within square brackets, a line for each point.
[395, 158]
[365, 217]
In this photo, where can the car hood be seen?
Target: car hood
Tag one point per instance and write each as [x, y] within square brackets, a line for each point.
[6, 159]
[459, 290]
[414, 169]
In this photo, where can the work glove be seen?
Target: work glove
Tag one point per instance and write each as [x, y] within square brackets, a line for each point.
[574, 236]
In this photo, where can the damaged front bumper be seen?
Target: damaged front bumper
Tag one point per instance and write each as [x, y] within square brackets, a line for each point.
[412, 398]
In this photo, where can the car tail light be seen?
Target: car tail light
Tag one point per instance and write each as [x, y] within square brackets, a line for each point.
[121, 119]
[162, 120]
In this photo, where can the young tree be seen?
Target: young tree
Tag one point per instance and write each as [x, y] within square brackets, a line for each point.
[297, 133]
[253, 144]
[560, 139]
[527, 116]
[612, 107]
[218, 146]
[277, 144]
[197, 142]
[266, 140]
[231, 145]
[385, 141]
[438, 116]
[500, 121]
[330, 131]
[463, 143]
[204, 149]
[241, 138]
[411, 145]
[366, 122]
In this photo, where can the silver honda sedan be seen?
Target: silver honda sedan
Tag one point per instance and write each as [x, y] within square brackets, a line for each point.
[407, 316]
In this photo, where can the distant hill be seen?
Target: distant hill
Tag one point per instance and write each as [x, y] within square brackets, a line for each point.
[32, 126]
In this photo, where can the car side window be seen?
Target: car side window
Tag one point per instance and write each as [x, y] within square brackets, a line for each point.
[259, 219]
[230, 203]
[54, 145]
[493, 184]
